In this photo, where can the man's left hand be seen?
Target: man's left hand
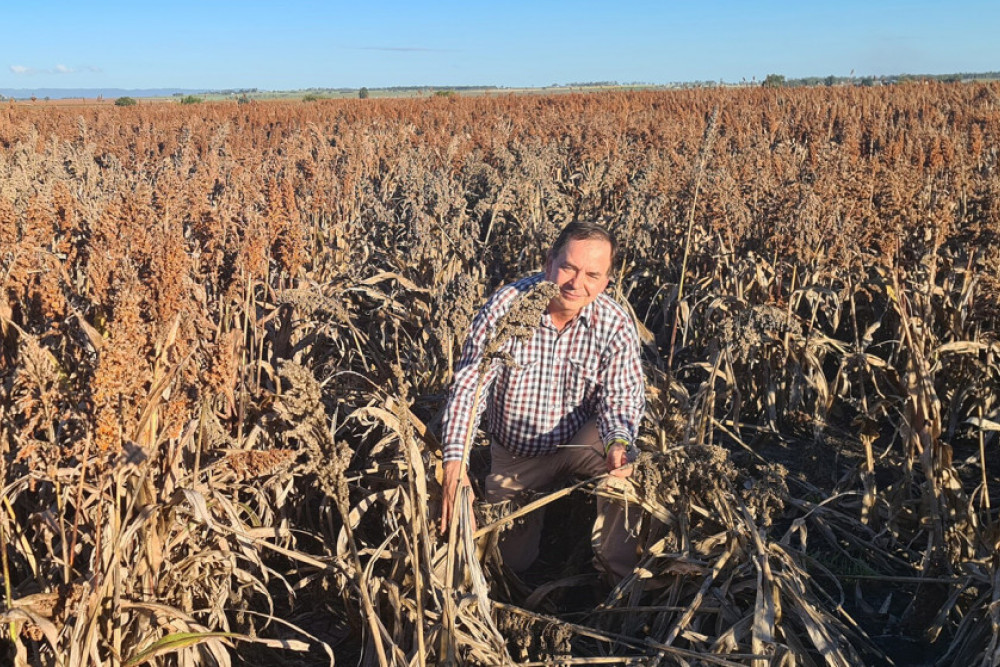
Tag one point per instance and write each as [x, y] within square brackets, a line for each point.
[455, 476]
[617, 459]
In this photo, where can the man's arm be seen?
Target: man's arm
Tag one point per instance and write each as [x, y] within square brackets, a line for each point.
[622, 398]
[458, 417]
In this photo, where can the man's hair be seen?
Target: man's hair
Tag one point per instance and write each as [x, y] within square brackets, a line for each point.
[580, 231]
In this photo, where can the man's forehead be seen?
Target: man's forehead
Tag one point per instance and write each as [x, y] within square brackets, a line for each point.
[583, 245]
[588, 250]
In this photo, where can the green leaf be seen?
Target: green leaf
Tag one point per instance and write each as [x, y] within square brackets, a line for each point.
[176, 642]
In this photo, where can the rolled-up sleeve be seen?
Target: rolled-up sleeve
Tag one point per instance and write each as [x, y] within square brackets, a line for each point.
[622, 395]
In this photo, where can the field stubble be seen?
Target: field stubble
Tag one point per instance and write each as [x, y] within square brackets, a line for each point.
[227, 332]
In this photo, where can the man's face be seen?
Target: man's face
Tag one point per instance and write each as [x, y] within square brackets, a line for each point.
[582, 270]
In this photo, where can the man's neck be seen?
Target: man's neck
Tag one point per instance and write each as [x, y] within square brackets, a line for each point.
[561, 318]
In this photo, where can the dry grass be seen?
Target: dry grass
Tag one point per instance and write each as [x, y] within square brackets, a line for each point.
[227, 332]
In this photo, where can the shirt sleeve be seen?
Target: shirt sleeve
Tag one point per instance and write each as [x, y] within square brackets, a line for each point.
[458, 417]
[622, 396]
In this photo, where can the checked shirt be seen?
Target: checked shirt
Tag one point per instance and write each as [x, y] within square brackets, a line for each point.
[559, 380]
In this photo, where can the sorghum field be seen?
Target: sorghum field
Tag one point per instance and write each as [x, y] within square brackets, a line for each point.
[227, 334]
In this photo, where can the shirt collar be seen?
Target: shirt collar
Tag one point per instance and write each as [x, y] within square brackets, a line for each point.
[586, 316]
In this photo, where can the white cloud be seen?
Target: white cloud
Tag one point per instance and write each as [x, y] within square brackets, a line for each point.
[58, 69]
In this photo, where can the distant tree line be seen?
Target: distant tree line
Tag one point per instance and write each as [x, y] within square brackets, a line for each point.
[233, 91]
[588, 84]
[408, 88]
[777, 80]
[773, 80]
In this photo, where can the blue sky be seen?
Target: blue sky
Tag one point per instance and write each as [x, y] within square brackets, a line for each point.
[302, 43]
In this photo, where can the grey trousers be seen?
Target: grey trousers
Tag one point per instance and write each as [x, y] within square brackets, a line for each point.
[613, 537]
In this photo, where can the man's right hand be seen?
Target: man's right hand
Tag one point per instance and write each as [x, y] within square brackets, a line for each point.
[617, 460]
[455, 474]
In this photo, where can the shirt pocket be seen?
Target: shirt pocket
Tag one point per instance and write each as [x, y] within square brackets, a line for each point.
[520, 384]
[581, 380]
[524, 355]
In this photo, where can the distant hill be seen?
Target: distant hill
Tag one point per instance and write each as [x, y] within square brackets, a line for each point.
[107, 93]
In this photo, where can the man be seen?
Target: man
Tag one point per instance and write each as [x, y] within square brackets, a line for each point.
[569, 405]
